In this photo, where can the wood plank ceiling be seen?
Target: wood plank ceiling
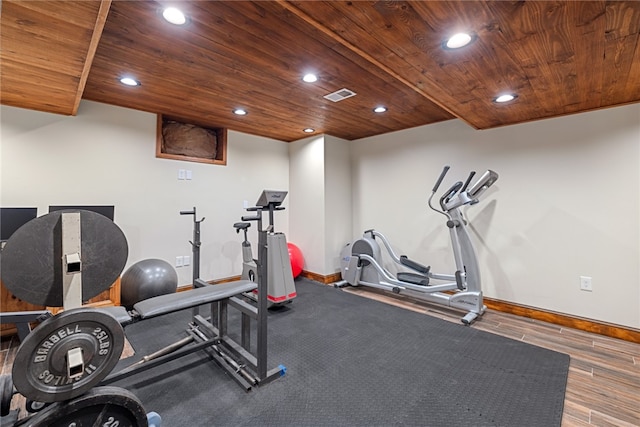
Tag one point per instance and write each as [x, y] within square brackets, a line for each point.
[559, 57]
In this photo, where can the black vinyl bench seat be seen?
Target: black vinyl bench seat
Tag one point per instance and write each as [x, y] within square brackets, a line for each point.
[169, 303]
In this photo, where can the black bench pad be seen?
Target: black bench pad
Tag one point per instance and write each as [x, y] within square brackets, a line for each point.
[177, 301]
[120, 313]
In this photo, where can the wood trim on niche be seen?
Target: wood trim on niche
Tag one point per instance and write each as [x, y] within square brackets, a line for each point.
[221, 149]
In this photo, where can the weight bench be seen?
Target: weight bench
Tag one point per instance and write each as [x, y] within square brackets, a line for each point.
[170, 303]
[208, 334]
[67, 257]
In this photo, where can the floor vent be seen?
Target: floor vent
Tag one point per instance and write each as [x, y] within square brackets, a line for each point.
[339, 95]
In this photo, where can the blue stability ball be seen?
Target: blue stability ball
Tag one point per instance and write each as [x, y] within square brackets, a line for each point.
[145, 279]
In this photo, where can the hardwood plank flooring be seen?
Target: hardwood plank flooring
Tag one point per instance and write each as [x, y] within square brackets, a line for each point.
[603, 386]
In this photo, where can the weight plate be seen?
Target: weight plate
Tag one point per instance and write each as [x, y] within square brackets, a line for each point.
[32, 258]
[40, 367]
[6, 387]
[101, 406]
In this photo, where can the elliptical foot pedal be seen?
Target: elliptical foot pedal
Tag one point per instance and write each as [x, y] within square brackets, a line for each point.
[424, 269]
[413, 278]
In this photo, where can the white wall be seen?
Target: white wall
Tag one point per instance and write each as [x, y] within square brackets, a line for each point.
[320, 181]
[306, 181]
[337, 207]
[106, 155]
[567, 204]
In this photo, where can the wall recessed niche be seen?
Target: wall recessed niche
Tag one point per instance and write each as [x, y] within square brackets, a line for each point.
[181, 140]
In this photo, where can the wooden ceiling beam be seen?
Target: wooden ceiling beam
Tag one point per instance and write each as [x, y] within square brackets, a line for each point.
[103, 12]
[361, 53]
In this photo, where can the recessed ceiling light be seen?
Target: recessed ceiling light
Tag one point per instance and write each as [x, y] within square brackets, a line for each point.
[505, 98]
[129, 81]
[310, 78]
[240, 112]
[458, 40]
[174, 15]
[380, 109]
[308, 130]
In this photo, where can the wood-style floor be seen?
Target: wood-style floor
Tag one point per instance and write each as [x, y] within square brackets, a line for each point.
[603, 387]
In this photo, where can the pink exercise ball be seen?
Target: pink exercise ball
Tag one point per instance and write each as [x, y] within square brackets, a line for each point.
[296, 258]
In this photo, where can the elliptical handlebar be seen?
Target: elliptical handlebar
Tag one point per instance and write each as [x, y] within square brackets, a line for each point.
[466, 192]
[440, 178]
[469, 178]
[435, 188]
[448, 195]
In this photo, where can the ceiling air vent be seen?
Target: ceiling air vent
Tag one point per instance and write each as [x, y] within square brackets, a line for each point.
[339, 95]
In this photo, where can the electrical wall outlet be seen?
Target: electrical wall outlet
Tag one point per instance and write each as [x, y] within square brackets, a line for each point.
[181, 174]
[179, 261]
[585, 284]
[186, 260]
[188, 175]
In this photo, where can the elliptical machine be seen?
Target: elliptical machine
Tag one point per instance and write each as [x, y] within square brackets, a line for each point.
[272, 248]
[361, 262]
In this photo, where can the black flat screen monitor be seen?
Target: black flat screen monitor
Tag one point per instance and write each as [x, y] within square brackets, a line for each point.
[13, 218]
[102, 210]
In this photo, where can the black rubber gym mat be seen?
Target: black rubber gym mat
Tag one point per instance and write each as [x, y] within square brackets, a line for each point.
[352, 361]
